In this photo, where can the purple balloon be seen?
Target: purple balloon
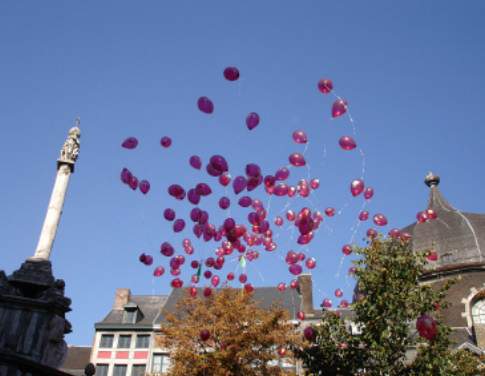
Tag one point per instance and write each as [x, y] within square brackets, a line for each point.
[253, 170]
[166, 249]
[239, 184]
[282, 174]
[295, 269]
[203, 189]
[253, 183]
[219, 163]
[169, 214]
[195, 162]
[203, 217]
[126, 175]
[193, 196]
[133, 183]
[144, 186]
[245, 201]
[224, 203]
[176, 191]
[130, 143]
[195, 214]
[197, 229]
[252, 120]
[178, 225]
[205, 105]
[280, 189]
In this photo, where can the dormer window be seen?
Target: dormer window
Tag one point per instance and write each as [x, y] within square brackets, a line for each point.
[130, 313]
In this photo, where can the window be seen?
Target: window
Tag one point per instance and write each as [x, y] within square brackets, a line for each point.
[142, 341]
[138, 370]
[106, 341]
[124, 342]
[161, 363]
[119, 370]
[129, 317]
[478, 312]
[102, 369]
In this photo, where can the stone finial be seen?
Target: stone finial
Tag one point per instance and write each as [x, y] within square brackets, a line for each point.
[431, 180]
[70, 149]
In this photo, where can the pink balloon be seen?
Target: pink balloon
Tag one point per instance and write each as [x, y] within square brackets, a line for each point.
[380, 219]
[364, 215]
[225, 179]
[297, 159]
[325, 86]
[224, 203]
[239, 184]
[339, 107]
[432, 255]
[144, 186]
[295, 269]
[356, 187]
[300, 315]
[280, 189]
[195, 162]
[371, 233]
[394, 233]
[311, 263]
[347, 249]
[339, 293]
[252, 120]
[205, 105]
[330, 212]
[314, 183]
[368, 193]
[130, 143]
[231, 74]
[166, 249]
[282, 174]
[166, 141]
[177, 283]
[133, 183]
[278, 221]
[347, 143]
[326, 303]
[281, 286]
[248, 288]
[215, 280]
[300, 137]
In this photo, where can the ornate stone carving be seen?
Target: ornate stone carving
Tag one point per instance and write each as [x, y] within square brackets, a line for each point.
[70, 149]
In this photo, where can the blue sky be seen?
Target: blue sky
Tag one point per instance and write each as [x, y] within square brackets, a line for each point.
[411, 71]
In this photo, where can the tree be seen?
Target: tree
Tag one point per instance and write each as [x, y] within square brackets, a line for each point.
[388, 302]
[227, 334]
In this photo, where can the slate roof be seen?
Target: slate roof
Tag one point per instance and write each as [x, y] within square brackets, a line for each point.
[76, 360]
[148, 305]
[458, 237]
[264, 297]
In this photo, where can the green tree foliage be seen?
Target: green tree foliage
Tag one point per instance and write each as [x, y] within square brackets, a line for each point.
[389, 299]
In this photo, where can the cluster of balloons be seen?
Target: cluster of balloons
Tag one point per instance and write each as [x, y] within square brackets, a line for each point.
[427, 327]
[246, 238]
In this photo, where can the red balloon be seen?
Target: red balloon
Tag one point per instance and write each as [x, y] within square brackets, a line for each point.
[294, 284]
[146, 259]
[356, 187]
[230, 276]
[297, 159]
[231, 74]
[364, 215]
[325, 86]
[280, 189]
[347, 143]
[166, 141]
[339, 107]
[305, 238]
[295, 269]
[195, 162]
[144, 186]
[278, 221]
[193, 196]
[427, 327]
[253, 170]
[130, 143]
[178, 225]
[371, 233]
[380, 219]
[339, 293]
[207, 292]
[282, 174]
[326, 303]
[330, 212]
[406, 236]
[225, 179]
[166, 249]
[248, 288]
[290, 215]
[204, 335]
[344, 304]
[252, 120]
[314, 183]
[394, 233]
[133, 183]
[311, 263]
[309, 333]
[203, 189]
[224, 203]
[281, 286]
[300, 315]
[215, 280]
[126, 175]
[159, 270]
[300, 137]
[368, 193]
[193, 292]
[205, 105]
[176, 191]
[177, 283]
[431, 214]
[432, 255]
[243, 278]
[245, 201]
[352, 270]
[218, 164]
[347, 249]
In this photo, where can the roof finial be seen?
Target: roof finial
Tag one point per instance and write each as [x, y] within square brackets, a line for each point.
[431, 180]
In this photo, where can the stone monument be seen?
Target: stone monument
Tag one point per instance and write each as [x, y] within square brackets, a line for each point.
[32, 301]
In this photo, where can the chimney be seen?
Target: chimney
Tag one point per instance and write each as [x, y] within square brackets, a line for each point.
[122, 297]
[305, 289]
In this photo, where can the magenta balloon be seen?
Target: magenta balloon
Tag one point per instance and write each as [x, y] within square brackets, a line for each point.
[305, 238]
[300, 137]
[225, 179]
[253, 218]
[205, 105]
[245, 201]
[368, 193]
[166, 249]
[197, 230]
[224, 203]
[130, 143]
[347, 249]
[339, 293]
[269, 181]
[193, 196]
[195, 214]
[203, 189]
[144, 186]
[339, 107]
[158, 272]
[297, 159]
[326, 303]
[394, 233]
[126, 175]
[219, 164]
[252, 120]
[325, 86]
[311, 263]
[203, 217]
[282, 174]
[280, 189]
[347, 143]
[309, 333]
[178, 225]
[239, 184]
[169, 214]
[176, 191]
[215, 280]
[364, 215]
[380, 219]
[253, 170]
[231, 74]
[356, 187]
[212, 171]
[195, 162]
[253, 183]
[133, 183]
[148, 260]
[306, 225]
[295, 269]
[166, 141]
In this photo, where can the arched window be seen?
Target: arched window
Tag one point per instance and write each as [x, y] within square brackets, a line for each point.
[478, 311]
